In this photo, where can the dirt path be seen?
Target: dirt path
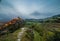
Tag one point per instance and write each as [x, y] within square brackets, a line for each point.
[20, 34]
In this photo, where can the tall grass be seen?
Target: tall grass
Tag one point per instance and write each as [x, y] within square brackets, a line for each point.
[45, 31]
[37, 37]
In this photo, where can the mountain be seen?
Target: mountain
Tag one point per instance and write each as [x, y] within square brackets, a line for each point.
[56, 16]
[4, 18]
[53, 19]
[34, 20]
[36, 13]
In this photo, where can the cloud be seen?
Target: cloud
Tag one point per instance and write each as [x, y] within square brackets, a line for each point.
[9, 11]
[25, 8]
[0, 0]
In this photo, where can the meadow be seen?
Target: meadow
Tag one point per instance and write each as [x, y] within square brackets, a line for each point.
[36, 31]
[43, 31]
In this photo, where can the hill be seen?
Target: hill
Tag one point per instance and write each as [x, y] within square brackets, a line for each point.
[53, 19]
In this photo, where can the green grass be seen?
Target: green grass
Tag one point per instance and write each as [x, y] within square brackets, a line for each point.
[37, 37]
[10, 36]
[41, 32]
[45, 31]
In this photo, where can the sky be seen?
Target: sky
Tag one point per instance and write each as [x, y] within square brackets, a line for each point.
[27, 9]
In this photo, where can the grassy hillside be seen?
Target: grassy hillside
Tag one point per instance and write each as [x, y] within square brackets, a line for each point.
[44, 31]
[10, 36]
[53, 19]
[48, 30]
